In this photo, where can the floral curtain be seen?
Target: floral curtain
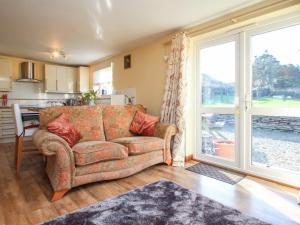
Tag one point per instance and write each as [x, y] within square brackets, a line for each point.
[173, 106]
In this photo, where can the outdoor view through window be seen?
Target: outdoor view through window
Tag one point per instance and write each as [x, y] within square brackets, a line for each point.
[276, 84]
[218, 65]
[218, 74]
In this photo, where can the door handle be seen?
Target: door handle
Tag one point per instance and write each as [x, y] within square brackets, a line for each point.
[237, 111]
[247, 102]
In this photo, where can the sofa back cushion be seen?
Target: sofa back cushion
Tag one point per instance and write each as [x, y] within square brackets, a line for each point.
[87, 120]
[117, 120]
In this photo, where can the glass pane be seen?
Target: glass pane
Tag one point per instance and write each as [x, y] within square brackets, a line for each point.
[217, 65]
[218, 135]
[276, 142]
[276, 68]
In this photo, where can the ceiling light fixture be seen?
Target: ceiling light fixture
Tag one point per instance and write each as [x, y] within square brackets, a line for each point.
[58, 54]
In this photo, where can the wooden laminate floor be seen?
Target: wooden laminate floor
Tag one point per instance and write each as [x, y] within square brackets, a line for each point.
[25, 199]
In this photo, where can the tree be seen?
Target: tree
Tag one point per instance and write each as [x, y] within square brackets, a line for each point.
[269, 75]
[289, 77]
[265, 71]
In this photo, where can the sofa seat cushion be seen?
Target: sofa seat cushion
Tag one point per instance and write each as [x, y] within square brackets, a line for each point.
[140, 144]
[96, 151]
[117, 166]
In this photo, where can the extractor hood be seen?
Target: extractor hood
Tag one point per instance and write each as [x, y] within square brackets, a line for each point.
[27, 72]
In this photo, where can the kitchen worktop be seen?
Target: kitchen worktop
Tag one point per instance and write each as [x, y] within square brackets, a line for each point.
[24, 107]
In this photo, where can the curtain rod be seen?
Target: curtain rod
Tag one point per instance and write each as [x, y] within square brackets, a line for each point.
[238, 16]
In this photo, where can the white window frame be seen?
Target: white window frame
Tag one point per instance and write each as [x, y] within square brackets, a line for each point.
[244, 83]
[104, 70]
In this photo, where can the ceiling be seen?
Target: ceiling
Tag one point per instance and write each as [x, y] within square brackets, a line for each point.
[88, 30]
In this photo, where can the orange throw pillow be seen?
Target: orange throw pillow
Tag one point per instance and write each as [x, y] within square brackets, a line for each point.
[143, 124]
[62, 127]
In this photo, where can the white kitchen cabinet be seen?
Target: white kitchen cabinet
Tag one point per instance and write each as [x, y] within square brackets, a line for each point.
[50, 78]
[71, 79]
[60, 79]
[5, 75]
[83, 80]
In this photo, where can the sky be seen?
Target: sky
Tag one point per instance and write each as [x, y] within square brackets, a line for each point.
[219, 61]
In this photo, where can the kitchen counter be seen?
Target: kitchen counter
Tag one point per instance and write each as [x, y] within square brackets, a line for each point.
[25, 107]
[34, 109]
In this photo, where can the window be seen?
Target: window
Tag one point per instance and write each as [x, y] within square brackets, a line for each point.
[275, 63]
[248, 101]
[103, 80]
[275, 91]
[218, 74]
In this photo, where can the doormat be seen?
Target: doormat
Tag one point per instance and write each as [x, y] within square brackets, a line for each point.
[217, 173]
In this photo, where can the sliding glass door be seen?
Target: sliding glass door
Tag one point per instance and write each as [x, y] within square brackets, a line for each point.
[248, 101]
[218, 94]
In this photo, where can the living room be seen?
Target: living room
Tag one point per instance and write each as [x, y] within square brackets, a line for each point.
[150, 112]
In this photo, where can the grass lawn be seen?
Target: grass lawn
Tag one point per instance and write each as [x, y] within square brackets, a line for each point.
[272, 102]
[262, 102]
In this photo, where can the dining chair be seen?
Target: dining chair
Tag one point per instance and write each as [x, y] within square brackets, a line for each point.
[21, 132]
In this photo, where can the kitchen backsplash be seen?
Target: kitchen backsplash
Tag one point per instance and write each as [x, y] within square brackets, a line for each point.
[33, 94]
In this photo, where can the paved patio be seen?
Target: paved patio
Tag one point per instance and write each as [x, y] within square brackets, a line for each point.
[273, 148]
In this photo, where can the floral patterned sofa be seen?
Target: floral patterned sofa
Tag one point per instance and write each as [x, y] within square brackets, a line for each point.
[107, 149]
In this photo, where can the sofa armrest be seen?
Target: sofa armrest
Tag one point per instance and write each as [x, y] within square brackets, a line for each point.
[60, 159]
[166, 132]
[43, 139]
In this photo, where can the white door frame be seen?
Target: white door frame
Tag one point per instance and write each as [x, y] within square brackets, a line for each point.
[281, 175]
[231, 110]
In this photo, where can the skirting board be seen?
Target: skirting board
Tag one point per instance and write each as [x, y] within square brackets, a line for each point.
[188, 158]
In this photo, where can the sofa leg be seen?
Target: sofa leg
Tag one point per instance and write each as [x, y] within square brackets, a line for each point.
[58, 195]
[168, 162]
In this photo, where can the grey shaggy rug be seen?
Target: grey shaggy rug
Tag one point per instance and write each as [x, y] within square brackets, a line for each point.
[159, 203]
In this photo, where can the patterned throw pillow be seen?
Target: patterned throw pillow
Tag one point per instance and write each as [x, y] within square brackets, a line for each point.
[62, 127]
[143, 124]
